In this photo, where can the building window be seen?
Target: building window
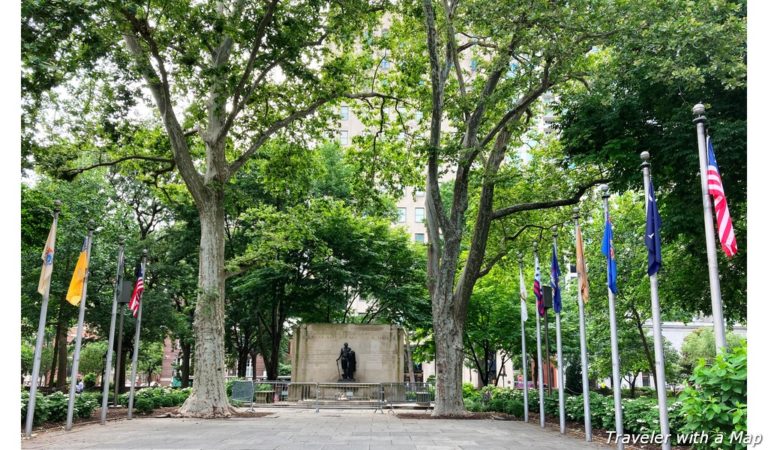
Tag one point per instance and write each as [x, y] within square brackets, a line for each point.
[420, 193]
[400, 215]
[419, 215]
[419, 237]
[419, 116]
[344, 137]
[344, 113]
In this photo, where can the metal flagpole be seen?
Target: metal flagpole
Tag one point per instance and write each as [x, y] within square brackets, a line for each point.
[560, 387]
[119, 357]
[709, 228]
[614, 347]
[40, 337]
[658, 340]
[108, 364]
[583, 343]
[538, 346]
[79, 338]
[522, 335]
[136, 340]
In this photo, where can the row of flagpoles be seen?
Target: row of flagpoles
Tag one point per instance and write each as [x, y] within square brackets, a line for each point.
[711, 185]
[76, 295]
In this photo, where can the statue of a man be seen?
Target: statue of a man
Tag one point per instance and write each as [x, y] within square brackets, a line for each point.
[344, 357]
[351, 365]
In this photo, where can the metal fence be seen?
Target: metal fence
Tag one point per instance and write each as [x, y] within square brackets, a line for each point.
[332, 395]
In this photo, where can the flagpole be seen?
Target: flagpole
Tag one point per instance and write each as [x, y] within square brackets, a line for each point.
[709, 228]
[108, 363]
[614, 346]
[658, 340]
[522, 335]
[560, 387]
[542, 417]
[79, 338]
[40, 338]
[119, 356]
[583, 343]
[136, 340]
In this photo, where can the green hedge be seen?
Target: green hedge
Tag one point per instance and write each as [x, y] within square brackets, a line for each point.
[53, 407]
[715, 402]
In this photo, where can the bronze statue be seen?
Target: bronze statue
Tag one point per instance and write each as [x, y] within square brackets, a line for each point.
[348, 363]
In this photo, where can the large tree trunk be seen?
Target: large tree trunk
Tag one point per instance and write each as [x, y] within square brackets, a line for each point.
[449, 359]
[186, 356]
[209, 397]
[242, 363]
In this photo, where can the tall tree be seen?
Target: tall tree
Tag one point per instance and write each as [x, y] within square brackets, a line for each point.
[518, 51]
[246, 71]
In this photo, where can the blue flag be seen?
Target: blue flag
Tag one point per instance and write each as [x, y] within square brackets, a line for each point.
[557, 302]
[610, 256]
[652, 235]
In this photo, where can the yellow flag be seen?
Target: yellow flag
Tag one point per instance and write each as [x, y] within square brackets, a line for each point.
[581, 267]
[48, 250]
[75, 292]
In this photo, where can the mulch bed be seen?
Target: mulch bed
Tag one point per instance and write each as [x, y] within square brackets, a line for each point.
[122, 414]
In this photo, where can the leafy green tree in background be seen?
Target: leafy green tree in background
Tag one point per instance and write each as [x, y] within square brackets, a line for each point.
[700, 345]
[644, 103]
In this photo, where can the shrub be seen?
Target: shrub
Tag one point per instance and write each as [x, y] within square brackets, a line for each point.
[89, 380]
[57, 407]
[717, 401]
[41, 408]
[143, 405]
[84, 406]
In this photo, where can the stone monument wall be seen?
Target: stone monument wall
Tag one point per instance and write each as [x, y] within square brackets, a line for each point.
[378, 350]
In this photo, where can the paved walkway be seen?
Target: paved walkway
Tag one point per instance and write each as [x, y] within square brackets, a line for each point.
[305, 429]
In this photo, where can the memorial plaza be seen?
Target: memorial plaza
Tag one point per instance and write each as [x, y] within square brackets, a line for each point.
[306, 429]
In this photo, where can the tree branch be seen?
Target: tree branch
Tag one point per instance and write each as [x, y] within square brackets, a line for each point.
[78, 171]
[572, 200]
[521, 105]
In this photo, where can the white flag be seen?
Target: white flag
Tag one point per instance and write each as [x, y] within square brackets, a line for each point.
[523, 297]
[45, 273]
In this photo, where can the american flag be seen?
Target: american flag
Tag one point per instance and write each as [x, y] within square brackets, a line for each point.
[135, 302]
[537, 290]
[715, 186]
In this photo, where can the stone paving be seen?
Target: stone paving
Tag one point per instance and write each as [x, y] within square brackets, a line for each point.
[305, 429]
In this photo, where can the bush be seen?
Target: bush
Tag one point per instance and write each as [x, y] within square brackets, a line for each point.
[89, 380]
[84, 406]
[56, 405]
[717, 401]
[41, 407]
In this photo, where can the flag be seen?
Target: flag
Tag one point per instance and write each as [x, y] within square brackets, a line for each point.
[610, 255]
[75, 291]
[554, 280]
[652, 232]
[715, 186]
[138, 289]
[581, 266]
[523, 297]
[537, 290]
[45, 272]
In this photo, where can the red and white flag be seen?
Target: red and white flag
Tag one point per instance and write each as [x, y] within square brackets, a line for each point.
[133, 305]
[715, 186]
